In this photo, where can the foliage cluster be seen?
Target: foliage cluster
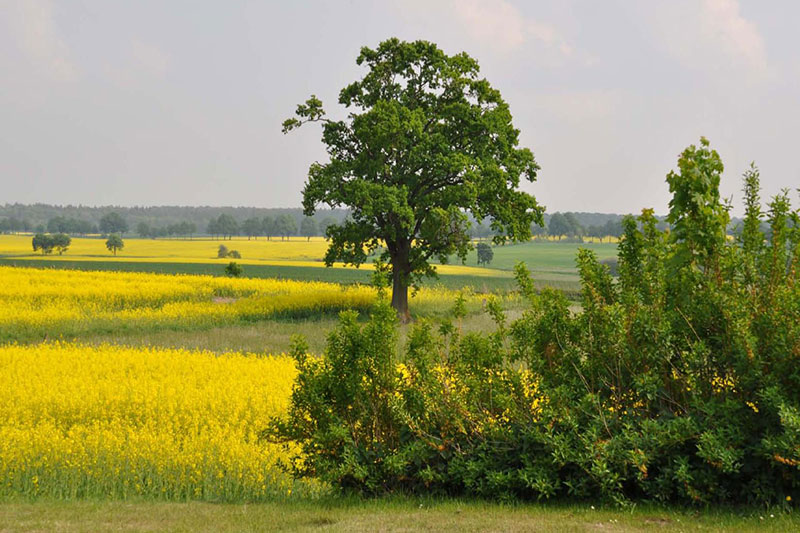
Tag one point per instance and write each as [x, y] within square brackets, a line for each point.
[223, 252]
[678, 382]
[234, 270]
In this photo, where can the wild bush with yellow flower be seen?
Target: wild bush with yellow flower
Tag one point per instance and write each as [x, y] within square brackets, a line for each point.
[677, 382]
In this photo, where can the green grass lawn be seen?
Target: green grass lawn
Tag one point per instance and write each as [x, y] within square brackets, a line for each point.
[374, 515]
[543, 256]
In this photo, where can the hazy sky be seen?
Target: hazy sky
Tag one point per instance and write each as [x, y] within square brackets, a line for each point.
[154, 102]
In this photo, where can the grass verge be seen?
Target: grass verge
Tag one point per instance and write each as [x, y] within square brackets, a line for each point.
[374, 515]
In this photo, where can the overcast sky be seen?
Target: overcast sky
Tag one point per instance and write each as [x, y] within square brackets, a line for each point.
[154, 102]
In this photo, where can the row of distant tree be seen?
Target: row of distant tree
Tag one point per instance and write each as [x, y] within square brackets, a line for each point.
[562, 225]
[37, 217]
[110, 223]
[223, 226]
[283, 226]
[180, 229]
[173, 221]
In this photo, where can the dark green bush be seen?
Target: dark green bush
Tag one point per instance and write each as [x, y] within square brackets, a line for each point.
[234, 270]
[678, 381]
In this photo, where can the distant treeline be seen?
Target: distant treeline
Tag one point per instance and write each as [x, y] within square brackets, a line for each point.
[225, 222]
[158, 221]
[600, 225]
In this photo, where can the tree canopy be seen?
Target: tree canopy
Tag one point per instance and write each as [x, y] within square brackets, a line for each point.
[224, 225]
[562, 224]
[113, 223]
[426, 142]
[114, 243]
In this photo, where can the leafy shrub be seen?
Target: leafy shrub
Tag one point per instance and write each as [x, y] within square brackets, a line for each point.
[223, 252]
[679, 381]
[612, 264]
[234, 270]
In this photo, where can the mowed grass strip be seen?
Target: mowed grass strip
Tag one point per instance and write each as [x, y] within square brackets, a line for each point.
[388, 515]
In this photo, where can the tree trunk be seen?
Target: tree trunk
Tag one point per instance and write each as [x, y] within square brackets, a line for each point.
[400, 275]
[400, 295]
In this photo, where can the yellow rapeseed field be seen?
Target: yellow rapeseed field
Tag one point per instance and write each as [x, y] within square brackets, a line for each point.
[51, 304]
[113, 421]
[297, 252]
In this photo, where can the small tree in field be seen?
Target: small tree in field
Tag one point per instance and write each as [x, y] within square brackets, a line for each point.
[485, 253]
[222, 251]
[114, 243]
[61, 242]
[43, 242]
[425, 142]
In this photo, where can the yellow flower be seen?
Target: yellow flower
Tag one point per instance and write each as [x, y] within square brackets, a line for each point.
[113, 420]
[38, 302]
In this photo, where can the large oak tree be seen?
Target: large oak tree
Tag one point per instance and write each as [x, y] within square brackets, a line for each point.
[425, 141]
